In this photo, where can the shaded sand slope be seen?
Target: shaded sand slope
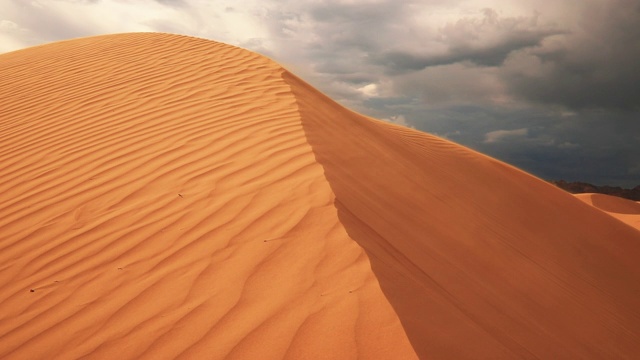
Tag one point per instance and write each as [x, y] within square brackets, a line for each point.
[479, 259]
[166, 196]
[627, 211]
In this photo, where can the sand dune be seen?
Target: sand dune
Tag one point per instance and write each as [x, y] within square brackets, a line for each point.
[627, 211]
[170, 197]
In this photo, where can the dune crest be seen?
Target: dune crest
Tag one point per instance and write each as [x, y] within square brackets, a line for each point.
[163, 196]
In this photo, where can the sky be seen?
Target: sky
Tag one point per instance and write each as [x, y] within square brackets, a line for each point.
[552, 87]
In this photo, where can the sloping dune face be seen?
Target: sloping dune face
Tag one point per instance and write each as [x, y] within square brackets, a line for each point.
[165, 196]
[479, 259]
[622, 209]
[161, 199]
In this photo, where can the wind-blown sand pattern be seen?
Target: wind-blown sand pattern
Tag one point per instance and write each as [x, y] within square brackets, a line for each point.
[164, 196]
[627, 211]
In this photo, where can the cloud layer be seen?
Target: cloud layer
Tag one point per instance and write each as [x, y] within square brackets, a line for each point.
[550, 87]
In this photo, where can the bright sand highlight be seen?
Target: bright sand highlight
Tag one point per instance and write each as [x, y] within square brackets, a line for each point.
[170, 197]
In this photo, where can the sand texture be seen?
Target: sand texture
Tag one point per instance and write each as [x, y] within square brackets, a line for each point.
[169, 197]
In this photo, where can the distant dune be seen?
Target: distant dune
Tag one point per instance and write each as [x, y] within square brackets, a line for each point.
[171, 197]
[624, 210]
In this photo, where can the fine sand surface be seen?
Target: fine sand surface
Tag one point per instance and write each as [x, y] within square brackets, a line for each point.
[164, 196]
[627, 211]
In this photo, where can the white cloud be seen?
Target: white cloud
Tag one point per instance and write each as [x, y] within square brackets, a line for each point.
[499, 135]
[11, 36]
[9, 26]
[369, 90]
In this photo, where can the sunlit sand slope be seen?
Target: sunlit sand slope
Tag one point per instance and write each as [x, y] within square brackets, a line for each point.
[164, 196]
[160, 197]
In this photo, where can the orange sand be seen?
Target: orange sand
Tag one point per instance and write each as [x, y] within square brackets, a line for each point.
[166, 196]
[627, 211]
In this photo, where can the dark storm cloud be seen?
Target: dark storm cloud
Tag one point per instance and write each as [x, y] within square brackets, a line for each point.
[348, 34]
[453, 84]
[485, 42]
[600, 147]
[354, 13]
[595, 66]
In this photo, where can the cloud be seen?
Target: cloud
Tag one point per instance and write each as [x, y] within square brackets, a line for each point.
[47, 21]
[172, 2]
[593, 146]
[595, 66]
[451, 84]
[484, 41]
[369, 90]
[500, 135]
